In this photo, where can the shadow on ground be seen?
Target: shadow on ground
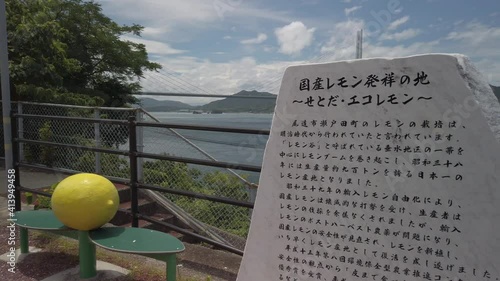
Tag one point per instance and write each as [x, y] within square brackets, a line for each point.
[44, 264]
[212, 271]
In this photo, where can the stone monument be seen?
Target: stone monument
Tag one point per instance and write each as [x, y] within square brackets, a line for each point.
[380, 169]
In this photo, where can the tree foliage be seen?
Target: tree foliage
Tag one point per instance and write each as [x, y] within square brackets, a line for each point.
[37, 51]
[69, 52]
[73, 53]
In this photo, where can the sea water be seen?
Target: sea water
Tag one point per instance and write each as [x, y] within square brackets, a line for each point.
[227, 147]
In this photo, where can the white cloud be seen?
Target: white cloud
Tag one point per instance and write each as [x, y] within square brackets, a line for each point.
[180, 11]
[154, 47]
[490, 69]
[479, 42]
[261, 37]
[154, 31]
[227, 37]
[476, 40]
[246, 73]
[348, 11]
[400, 36]
[342, 44]
[206, 77]
[293, 38]
[269, 49]
[247, 11]
[372, 51]
[200, 14]
[342, 41]
[395, 24]
[346, 1]
[475, 33]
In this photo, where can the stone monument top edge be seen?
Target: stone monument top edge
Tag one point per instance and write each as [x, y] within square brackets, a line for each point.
[389, 58]
[474, 80]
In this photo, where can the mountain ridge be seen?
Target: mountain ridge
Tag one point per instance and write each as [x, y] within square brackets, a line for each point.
[255, 105]
[155, 105]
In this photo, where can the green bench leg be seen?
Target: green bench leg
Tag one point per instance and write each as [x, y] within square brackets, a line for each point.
[87, 255]
[25, 246]
[171, 267]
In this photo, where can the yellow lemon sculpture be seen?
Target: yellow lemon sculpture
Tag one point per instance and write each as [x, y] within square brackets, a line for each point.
[85, 201]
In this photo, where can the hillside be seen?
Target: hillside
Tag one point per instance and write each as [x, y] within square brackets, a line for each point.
[154, 105]
[243, 105]
[496, 91]
[230, 104]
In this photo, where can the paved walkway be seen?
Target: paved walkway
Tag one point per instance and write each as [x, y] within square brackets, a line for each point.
[29, 179]
[33, 179]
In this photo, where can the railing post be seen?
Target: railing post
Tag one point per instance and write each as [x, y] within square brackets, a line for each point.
[20, 130]
[140, 146]
[15, 162]
[97, 139]
[133, 169]
[5, 89]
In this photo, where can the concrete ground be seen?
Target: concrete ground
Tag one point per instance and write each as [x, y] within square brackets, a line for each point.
[28, 178]
[33, 179]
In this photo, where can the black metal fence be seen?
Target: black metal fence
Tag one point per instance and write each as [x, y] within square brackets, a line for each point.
[133, 155]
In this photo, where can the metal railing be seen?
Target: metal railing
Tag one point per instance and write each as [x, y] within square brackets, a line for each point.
[134, 155]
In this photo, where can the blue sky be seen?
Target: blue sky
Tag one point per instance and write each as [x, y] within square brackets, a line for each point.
[223, 46]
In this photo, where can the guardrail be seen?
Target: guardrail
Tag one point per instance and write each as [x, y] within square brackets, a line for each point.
[133, 154]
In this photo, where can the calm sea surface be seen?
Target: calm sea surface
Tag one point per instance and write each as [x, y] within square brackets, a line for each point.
[228, 147]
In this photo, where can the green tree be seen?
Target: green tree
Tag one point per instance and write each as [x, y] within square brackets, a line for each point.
[230, 218]
[172, 174]
[109, 66]
[111, 165]
[175, 175]
[74, 52]
[69, 52]
[37, 51]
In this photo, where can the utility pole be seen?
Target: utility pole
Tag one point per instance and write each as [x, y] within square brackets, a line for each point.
[359, 44]
[6, 108]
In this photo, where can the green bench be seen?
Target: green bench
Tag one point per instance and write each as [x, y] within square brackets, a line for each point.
[140, 241]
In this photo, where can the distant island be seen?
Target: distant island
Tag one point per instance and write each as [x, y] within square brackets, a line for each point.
[255, 105]
[155, 105]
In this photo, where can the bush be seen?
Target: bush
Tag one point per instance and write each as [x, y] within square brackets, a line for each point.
[111, 164]
[43, 202]
[180, 176]
[227, 217]
[46, 152]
